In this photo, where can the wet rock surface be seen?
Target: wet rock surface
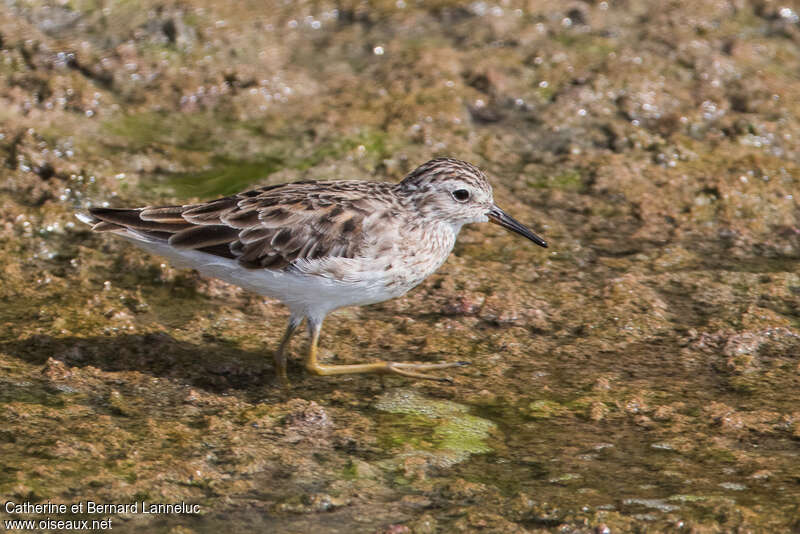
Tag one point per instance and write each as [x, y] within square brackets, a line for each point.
[641, 374]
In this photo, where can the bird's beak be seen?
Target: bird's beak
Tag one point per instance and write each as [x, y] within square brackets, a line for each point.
[498, 216]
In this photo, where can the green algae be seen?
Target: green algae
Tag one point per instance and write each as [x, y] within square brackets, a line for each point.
[441, 427]
[225, 177]
[572, 180]
[545, 409]
[209, 142]
[184, 131]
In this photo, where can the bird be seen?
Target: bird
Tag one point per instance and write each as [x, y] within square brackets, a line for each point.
[322, 245]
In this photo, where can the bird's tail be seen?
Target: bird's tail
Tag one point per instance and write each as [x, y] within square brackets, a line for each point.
[130, 223]
[161, 226]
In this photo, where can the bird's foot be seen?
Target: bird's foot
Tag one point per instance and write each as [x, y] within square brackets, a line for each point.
[411, 370]
[416, 370]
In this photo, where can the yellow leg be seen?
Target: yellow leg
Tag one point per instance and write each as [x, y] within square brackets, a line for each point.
[404, 369]
[283, 349]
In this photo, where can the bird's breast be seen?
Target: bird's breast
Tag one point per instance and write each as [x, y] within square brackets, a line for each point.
[418, 254]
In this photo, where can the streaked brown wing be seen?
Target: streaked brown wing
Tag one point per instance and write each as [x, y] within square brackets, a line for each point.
[265, 228]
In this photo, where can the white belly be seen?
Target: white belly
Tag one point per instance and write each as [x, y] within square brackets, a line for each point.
[304, 294]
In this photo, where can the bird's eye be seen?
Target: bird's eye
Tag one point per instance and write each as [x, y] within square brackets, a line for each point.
[461, 195]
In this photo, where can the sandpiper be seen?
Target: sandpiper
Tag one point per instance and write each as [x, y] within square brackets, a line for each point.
[318, 246]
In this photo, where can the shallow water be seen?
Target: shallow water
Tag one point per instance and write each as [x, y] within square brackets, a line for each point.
[640, 375]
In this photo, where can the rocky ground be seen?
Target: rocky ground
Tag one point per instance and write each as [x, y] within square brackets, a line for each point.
[640, 375]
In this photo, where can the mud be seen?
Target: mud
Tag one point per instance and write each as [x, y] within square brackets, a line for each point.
[640, 375]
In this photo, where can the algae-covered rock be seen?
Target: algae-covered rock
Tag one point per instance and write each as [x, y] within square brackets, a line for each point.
[444, 433]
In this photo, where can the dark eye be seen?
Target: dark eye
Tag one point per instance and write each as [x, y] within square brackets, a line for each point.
[461, 195]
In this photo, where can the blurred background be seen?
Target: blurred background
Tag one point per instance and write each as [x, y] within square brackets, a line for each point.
[641, 374]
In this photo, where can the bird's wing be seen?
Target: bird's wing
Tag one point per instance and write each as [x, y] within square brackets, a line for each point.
[266, 228]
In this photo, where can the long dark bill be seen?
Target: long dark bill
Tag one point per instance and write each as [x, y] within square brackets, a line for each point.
[498, 216]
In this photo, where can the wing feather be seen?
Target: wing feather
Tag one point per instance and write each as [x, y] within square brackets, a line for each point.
[131, 218]
[211, 212]
[164, 214]
[267, 228]
[203, 236]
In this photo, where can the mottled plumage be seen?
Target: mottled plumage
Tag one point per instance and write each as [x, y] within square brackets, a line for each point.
[318, 246]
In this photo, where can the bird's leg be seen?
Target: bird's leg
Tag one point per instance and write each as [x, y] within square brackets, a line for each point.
[283, 348]
[404, 369]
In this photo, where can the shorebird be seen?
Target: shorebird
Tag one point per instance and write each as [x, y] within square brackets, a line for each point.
[321, 245]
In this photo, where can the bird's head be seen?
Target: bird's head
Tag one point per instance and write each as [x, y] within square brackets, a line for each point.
[458, 193]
